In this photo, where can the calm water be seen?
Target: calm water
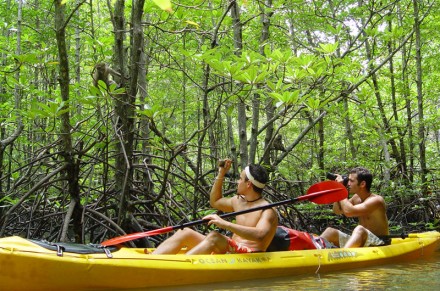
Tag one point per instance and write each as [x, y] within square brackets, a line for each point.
[416, 275]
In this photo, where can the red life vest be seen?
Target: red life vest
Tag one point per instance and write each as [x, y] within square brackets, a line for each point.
[287, 239]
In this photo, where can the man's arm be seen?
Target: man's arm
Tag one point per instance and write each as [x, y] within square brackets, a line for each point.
[216, 198]
[337, 208]
[355, 210]
[266, 223]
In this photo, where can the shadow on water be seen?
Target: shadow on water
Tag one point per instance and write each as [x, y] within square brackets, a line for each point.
[416, 275]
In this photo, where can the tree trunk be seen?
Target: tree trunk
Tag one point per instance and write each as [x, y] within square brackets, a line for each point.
[321, 140]
[124, 110]
[8, 141]
[78, 58]
[265, 34]
[242, 119]
[421, 128]
[72, 168]
[402, 167]
[348, 129]
[376, 91]
[409, 158]
[144, 130]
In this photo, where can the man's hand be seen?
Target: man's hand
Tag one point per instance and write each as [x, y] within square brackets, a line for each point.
[216, 220]
[224, 167]
[339, 178]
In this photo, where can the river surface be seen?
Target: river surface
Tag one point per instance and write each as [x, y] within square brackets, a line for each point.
[415, 275]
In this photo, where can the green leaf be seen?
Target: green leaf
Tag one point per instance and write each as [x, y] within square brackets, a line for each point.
[27, 58]
[261, 77]
[328, 48]
[94, 91]
[313, 103]
[195, 24]
[89, 100]
[8, 200]
[287, 97]
[164, 5]
[151, 112]
[270, 85]
[115, 90]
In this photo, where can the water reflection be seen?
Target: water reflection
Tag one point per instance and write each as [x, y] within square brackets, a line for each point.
[416, 275]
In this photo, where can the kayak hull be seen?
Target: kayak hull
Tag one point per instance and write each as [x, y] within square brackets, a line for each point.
[25, 265]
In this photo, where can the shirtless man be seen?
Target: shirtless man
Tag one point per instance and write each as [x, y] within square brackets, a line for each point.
[252, 232]
[369, 208]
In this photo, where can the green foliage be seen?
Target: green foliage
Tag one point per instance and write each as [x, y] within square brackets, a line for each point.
[53, 109]
[164, 4]
[152, 112]
[314, 60]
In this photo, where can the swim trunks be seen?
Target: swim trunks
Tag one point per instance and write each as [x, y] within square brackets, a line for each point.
[238, 248]
[372, 239]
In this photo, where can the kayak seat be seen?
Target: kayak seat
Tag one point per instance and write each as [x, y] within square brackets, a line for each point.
[75, 248]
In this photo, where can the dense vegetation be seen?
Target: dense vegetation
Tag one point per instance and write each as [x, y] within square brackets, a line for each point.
[303, 87]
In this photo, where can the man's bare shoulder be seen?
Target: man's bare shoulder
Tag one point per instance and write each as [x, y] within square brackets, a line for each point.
[377, 197]
[375, 202]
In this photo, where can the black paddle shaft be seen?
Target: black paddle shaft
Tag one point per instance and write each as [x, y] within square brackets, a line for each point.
[314, 197]
[236, 213]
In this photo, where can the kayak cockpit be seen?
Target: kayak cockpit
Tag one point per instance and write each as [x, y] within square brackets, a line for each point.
[61, 248]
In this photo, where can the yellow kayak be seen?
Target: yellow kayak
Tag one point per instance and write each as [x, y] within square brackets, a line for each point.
[31, 265]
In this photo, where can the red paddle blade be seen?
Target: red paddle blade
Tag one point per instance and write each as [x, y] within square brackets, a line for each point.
[133, 236]
[326, 192]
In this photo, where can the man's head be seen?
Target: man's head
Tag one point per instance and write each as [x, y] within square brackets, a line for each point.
[256, 175]
[359, 175]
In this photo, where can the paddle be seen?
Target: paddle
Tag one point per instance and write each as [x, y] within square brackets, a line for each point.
[402, 236]
[320, 193]
[409, 235]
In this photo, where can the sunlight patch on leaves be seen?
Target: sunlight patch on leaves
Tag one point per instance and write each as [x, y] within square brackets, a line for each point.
[328, 48]
[164, 5]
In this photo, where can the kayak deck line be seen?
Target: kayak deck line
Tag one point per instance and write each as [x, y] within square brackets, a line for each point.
[28, 266]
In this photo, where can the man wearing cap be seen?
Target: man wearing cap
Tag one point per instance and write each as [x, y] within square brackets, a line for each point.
[251, 232]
